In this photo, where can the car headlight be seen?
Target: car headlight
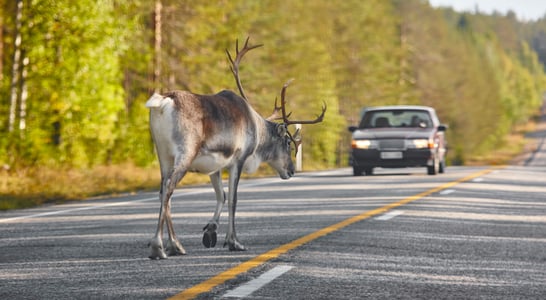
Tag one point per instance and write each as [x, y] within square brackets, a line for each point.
[363, 144]
[420, 144]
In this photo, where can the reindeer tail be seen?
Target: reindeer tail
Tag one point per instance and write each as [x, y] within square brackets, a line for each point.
[155, 101]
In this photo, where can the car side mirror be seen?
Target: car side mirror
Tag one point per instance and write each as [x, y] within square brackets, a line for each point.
[352, 128]
[442, 127]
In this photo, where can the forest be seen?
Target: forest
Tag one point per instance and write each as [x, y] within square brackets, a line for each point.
[75, 76]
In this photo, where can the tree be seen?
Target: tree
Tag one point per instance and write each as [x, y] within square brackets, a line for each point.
[74, 85]
[451, 76]
[16, 66]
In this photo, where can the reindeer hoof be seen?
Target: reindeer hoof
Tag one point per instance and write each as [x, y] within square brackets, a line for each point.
[157, 249]
[157, 253]
[235, 246]
[209, 239]
[175, 248]
[176, 252]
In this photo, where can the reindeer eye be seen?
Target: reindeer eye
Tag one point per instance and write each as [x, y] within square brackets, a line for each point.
[287, 142]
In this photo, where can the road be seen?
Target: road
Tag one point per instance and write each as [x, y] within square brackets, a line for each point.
[473, 232]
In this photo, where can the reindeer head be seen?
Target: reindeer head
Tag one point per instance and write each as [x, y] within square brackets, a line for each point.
[279, 146]
[277, 150]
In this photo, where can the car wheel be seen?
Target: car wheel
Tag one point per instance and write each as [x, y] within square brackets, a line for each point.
[432, 170]
[368, 171]
[442, 167]
[357, 171]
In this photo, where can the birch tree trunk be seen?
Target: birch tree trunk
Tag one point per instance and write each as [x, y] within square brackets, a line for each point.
[1, 45]
[157, 45]
[15, 73]
[24, 96]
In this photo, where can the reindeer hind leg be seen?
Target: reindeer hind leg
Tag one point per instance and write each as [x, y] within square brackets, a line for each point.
[156, 244]
[174, 247]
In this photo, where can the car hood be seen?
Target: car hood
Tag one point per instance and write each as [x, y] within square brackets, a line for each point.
[393, 133]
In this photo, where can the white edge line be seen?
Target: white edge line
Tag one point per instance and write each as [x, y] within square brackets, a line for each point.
[446, 192]
[58, 212]
[391, 214]
[253, 285]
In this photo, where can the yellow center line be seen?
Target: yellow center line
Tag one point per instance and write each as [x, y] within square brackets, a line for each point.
[221, 278]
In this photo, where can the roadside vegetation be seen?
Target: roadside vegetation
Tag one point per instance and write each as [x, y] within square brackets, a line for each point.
[75, 76]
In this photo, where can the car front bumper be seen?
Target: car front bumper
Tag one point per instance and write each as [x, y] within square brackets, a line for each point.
[371, 158]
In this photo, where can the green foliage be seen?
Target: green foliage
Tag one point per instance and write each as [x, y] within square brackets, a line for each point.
[90, 70]
[472, 69]
[73, 81]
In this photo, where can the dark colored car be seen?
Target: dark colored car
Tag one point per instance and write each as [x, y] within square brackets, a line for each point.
[398, 137]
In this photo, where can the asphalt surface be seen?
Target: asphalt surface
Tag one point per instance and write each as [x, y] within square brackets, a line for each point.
[483, 238]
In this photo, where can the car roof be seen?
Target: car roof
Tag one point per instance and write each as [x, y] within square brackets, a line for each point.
[400, 107]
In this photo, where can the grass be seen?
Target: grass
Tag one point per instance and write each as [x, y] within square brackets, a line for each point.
[516, 147]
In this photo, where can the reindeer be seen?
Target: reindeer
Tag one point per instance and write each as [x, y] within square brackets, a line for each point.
[209, 133]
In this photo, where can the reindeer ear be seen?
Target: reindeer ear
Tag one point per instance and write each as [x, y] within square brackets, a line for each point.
[297, 136]
[281, 129]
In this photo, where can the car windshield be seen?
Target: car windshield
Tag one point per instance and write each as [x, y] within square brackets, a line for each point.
[396, 118]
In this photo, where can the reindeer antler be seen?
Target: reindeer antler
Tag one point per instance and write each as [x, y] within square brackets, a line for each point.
[235, 63]
[296, 137]
[286, 116]
[277, 110]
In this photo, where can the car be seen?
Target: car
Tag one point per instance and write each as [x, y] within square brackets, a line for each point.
[398, 136]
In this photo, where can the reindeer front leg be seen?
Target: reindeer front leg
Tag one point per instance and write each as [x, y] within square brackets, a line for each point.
[156, 244]
[231, 237]
[209, 235]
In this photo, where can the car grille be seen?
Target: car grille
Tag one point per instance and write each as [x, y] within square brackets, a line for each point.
[391, 145]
